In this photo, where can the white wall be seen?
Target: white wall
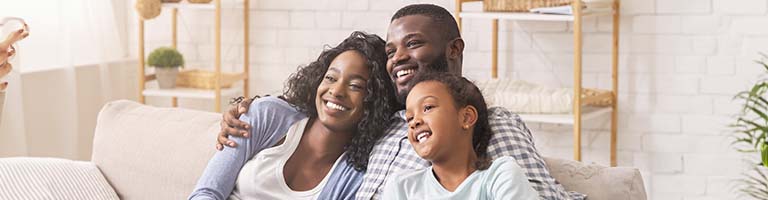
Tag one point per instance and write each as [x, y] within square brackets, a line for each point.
[681, 62]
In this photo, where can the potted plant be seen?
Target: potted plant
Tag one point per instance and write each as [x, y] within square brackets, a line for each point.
[167, 62]
[751, 132]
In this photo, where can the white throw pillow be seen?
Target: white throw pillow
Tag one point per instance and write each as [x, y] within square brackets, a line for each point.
[52, 178]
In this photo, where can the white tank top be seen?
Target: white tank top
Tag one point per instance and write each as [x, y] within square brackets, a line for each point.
[262, 176]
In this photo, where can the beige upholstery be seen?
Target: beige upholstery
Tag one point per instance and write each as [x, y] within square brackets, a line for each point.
[159, 153]
[598, 182]
[153, 153]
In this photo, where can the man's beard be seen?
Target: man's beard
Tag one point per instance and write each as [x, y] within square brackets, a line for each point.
[439, 65]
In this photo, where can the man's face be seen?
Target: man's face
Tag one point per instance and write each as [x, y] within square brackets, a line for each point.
[413, 47]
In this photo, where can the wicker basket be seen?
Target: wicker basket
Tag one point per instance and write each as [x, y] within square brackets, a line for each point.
[171, 1]
[204, 79]
[199, 1]
[588, 92]
[520, 5]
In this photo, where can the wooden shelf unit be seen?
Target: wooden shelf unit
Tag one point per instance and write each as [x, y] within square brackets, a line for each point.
[580, 111]
[216, 93]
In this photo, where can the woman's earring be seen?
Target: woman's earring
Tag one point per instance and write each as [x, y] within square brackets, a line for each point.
[466, 127]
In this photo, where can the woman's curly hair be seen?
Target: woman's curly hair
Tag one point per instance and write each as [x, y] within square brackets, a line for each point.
[465, 93]
[379, 102]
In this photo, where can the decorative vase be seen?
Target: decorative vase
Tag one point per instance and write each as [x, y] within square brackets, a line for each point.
[166, 77]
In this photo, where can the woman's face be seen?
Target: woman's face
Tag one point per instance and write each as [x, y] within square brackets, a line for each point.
[340, 95]
[433, 121]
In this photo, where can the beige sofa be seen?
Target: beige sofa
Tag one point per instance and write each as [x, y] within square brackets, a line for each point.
[144, 152]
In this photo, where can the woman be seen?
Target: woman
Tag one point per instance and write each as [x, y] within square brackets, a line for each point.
[344, 100]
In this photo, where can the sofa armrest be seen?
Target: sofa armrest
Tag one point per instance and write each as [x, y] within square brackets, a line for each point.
[598, 182]
[52, 178]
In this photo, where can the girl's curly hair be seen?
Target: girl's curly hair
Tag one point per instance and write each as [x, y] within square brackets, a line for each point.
[465, 93]
[379, 103]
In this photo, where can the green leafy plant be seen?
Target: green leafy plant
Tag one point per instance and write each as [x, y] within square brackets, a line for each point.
[165, 57]
[756, 185]
[751, 130]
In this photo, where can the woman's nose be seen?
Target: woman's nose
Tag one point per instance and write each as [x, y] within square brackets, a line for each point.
[337, 89]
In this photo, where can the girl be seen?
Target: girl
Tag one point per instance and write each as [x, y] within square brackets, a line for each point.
[344, 100]
[448, 126]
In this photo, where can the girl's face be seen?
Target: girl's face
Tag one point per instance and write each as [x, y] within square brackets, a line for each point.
[434, 123]
[340, 95]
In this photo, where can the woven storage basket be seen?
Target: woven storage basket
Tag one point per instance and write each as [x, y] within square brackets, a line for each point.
[171, 1]
[199, 1]
[204, 79]
[520, 5]
[588, 92]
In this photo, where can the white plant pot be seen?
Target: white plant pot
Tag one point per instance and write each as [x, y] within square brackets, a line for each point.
[166, 77]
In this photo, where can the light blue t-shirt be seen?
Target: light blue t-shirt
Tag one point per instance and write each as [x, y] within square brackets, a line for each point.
[503, 180]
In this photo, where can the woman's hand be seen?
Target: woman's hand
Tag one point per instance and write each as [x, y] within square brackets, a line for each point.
[7, 50]
[6, 46]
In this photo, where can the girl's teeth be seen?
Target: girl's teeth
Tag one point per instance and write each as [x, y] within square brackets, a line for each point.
[335, 106]
[422, 137]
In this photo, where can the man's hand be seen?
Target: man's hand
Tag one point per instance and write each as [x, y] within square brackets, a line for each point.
[232, 126]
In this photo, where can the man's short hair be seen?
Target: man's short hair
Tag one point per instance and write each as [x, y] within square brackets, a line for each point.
[439, 15]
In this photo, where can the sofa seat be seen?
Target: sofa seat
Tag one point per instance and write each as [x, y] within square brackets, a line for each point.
[146, 152]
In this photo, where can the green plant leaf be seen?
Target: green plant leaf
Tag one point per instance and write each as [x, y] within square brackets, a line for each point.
[755, 185]
[765, 65]
[753, 124]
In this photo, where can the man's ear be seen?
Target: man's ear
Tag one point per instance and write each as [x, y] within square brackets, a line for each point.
[455, 48]
[468, 116]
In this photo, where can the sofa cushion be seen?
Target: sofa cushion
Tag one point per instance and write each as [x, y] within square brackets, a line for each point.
[52, 178]
[598, 182]
[147, 152]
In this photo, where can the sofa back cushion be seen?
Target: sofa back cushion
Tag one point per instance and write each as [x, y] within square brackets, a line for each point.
[598, 182]
[153, 153]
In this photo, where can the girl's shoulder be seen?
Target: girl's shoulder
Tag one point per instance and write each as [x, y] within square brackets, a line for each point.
[504, 163]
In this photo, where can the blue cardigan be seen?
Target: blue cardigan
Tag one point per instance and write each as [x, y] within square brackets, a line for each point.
[270, 118]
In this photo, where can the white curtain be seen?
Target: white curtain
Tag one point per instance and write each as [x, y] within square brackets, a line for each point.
[64, 34]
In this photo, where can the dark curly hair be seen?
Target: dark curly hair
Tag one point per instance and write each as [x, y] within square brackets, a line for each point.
[464, 93]
[379, 103]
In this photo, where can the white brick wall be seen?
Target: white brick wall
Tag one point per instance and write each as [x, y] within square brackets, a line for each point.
[681, 62]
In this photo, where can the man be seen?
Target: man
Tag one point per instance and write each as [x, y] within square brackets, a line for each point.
[419, 37]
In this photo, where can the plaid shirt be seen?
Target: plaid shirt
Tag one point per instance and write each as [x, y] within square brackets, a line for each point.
[511, 137]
